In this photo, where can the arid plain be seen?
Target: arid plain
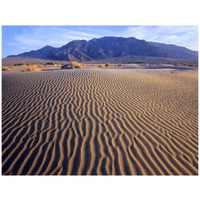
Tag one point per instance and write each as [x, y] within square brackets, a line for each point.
[121, 120]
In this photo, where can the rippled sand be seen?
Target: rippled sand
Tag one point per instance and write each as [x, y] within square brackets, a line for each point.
[100, 121]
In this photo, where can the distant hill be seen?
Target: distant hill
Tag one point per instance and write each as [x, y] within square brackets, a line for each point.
[107, 48]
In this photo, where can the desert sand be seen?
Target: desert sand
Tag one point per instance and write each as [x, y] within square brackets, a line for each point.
[98, 121]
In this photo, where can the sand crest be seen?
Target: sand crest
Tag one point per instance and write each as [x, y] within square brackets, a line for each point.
[100, 121]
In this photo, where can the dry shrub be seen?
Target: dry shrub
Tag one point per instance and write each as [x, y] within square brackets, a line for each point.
[32, 68]
[119, 64]
[107, 65]
[101, 65]
[192, 65]
[6, 69]
[73, 65]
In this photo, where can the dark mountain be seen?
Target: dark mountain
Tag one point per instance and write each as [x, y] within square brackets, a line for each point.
[43, 53]
[80, 50]
[118, 46]
[110, 48]
[174, 51]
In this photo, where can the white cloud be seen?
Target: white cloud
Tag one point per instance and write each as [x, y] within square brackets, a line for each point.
[27, 40]
[180, 35]
[37, 37]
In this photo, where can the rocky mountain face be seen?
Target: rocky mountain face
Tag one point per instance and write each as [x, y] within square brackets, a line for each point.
[108, 48]
[42, 53]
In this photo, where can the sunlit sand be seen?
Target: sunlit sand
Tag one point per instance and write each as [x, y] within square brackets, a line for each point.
[98, 121]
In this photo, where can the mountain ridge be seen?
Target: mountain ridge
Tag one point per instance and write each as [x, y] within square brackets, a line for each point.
[109, 47]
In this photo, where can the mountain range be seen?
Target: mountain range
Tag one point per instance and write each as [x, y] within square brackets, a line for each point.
[106, 48]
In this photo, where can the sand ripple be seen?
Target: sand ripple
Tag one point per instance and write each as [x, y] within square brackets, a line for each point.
[100, 122]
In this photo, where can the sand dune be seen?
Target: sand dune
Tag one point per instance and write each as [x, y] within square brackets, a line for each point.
[100, 122]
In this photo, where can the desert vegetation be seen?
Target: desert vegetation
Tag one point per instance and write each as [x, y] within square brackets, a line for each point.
[21, 67]
[186, 64]
[102, 65]
[6, 68]
[52, 63]
[19, 64]
[108, 65]
[32, 68]
[192, 65]
[145, 64]
[73, 65]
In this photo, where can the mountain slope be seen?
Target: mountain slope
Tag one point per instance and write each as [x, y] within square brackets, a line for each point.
[80, 50]
[109, 48]
[118, 46]
[174, 51]
[43, 53]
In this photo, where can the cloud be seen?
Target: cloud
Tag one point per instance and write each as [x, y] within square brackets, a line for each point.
[26, 40]
[180, 35]
[37, 37]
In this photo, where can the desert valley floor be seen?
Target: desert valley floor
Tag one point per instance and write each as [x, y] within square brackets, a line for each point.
[97, 121]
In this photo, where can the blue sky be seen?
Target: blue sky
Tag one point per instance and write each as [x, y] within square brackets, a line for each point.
[18, 39]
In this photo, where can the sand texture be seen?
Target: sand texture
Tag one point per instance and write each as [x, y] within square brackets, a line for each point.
[100, 122]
